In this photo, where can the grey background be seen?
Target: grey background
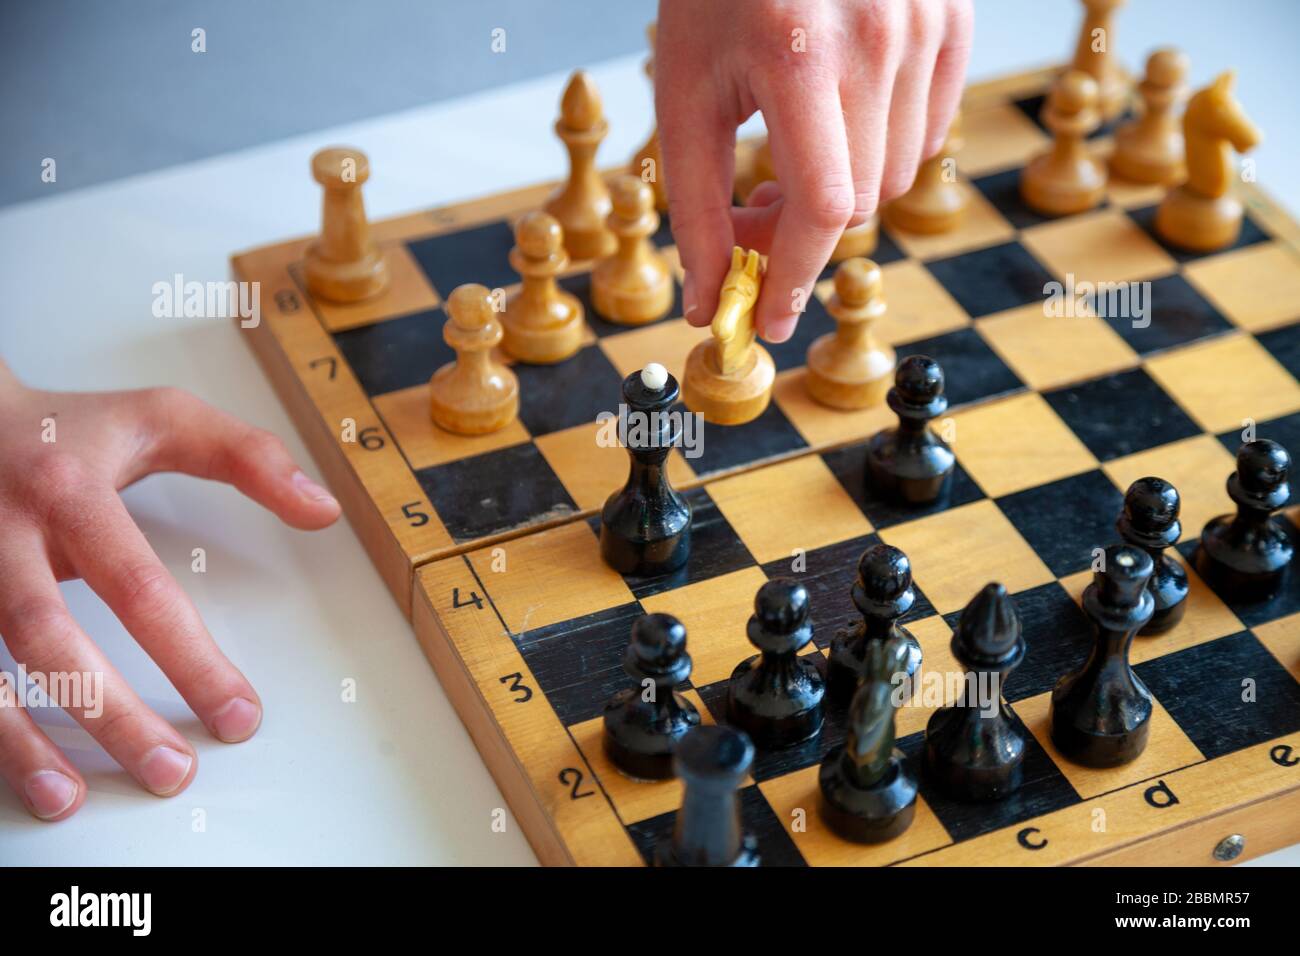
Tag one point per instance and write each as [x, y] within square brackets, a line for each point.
[111, 88]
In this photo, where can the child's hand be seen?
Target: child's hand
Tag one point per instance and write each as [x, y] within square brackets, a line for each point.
[855, 94]
[61, 517]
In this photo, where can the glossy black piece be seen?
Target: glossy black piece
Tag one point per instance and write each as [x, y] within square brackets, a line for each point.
[974, 748]
[1150, 521]
[882, 593]
[867, 793]
[1246, 555]
[712, 762]
[776, 696]
[645, 723]
[645, 528]
[1101, 713]
[910, 464]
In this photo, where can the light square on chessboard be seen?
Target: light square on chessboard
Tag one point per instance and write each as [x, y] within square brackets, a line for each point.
[917, 306]
[590, 472]
[1049, 351]
[797, 504]
[1167, 749]
[1101, 246]
[1257, 288]
[1282, 638]
[1195, 377]
[981, 225]
[667, 342]
[406, 414]
[408, 291]
[800, 791]
[551, 576]
[937, 663]
[819, 425]
[1198, 467]
[715, 612]
[956, 552]
[1206, 619]
[996, 138]
[634, 800]
[1017, 443]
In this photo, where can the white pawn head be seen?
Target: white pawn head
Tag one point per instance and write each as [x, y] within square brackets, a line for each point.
[654, 377]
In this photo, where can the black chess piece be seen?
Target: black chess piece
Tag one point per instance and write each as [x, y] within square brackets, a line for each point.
[711, 762]
[1101, 713]
[910, 464]
[1245, 556]
[867, 793]
[645, 724]
[882, 593]
[1150, 522]
[645, 528]
[974, 749]
[776, 696]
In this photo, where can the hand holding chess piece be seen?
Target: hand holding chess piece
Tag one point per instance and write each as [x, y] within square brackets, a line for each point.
[729, 375]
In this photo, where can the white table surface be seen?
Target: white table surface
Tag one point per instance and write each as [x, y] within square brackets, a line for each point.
[393, 777]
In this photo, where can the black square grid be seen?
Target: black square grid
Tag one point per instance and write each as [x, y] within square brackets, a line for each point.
[1176, 315]
[396, 353]
[1064, 520]
[479, 254]
[1121, 414]
[579, 284]
[849, 465]
[992, 279]
[1145, 217]
[572, 392]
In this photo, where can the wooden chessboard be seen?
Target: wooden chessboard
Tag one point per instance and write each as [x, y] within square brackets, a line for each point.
[490, 546]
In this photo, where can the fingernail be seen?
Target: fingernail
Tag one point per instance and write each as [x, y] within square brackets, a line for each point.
[780, 330]
[50, 793]
[309, 489]
[237, 720]
[689, 302]
[163, 770]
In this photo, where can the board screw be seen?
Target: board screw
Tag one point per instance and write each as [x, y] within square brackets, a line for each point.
[1230, 847]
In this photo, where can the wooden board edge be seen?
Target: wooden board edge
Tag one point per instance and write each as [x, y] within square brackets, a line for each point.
[1268, 824]
[489, 739]
[395, 568]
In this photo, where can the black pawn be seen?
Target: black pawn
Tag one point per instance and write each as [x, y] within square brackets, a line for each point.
[645, 723]
[1101, 713]
[974, 749]
[882, 593]
[868, 794]
[910, 464]
[645, 528]
[1150, 522]
[1244, 556]
[712, 762]
[776, 696]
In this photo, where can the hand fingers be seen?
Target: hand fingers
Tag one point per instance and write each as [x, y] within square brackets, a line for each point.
[949, 75]
[192, 437]
[699, 147]
[811, 156]
[867, 91]
[909, 104]
[104, 546]
[43, 637]
[38, 772]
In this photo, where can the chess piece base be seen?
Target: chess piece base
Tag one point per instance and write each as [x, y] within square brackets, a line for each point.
[345, 281]
[1199, 223]
[730, 398]
[768, 728]
[646, 298]
[912, 473]
[1246, 584]
[545, 345]
[654, 761]
[1092, 749]
[993, 769]
[492, 410]
[858, 241]
[870, 814]
[1056, 192]
[1162, 166]
[747, 857]
[858, 381]
[930, 212]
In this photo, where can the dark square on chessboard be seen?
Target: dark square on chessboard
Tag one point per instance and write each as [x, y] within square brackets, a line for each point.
[1205, 689]
[1064, 520]
[828, 575]
[479, 254]
[508, 488]
[775, 847]
[1285, 602]
[972, 371]
[1285, 431]
[849, 465]
[1284, 345]
[1178, 315]
[1120, 414]
[1058, 638]
[568, 393]
[1250, 234]
[992, 279]
[579, 284]
[724, 447]
[1003, 191]
[885, 252]
[813, 323]
[393, 354]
